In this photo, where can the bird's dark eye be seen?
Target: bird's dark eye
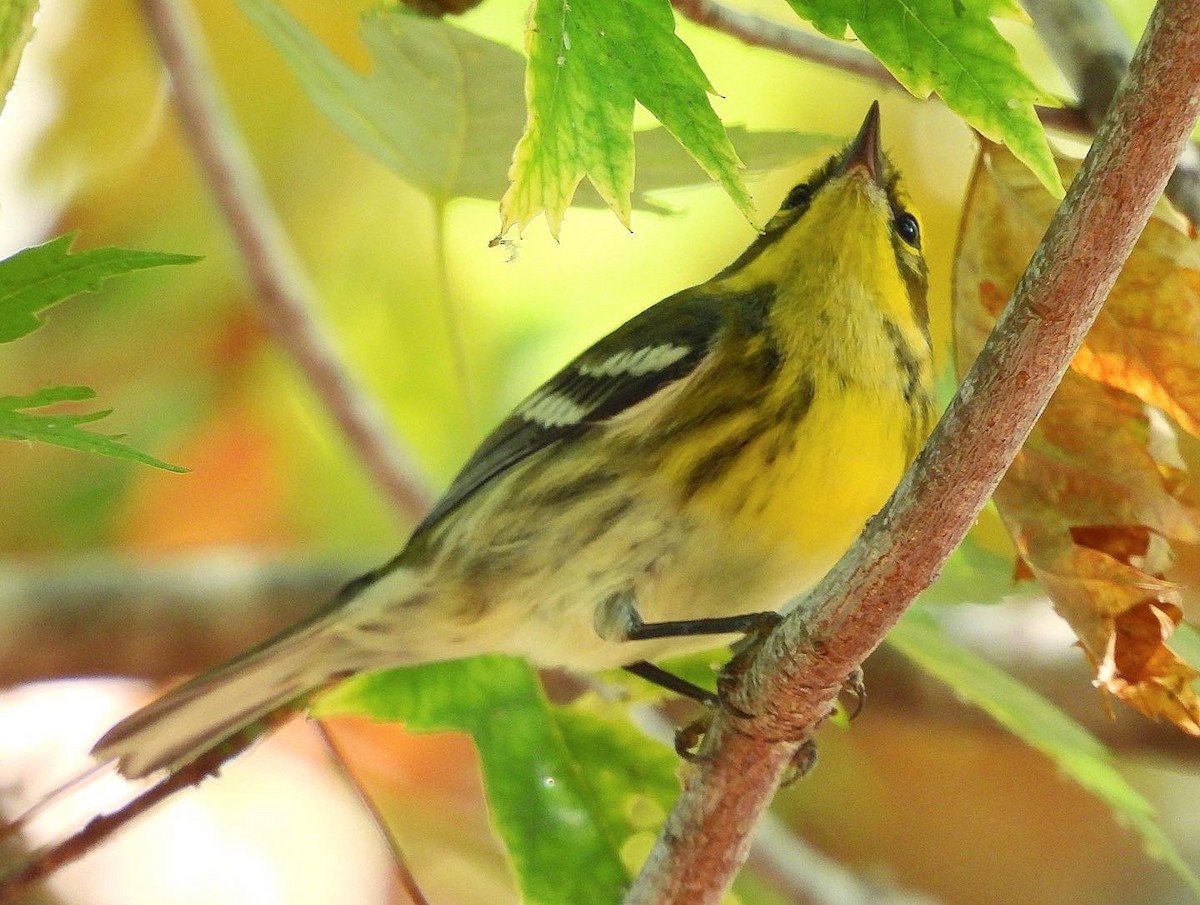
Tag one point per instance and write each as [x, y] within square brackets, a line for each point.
[801, 194]
[908, 229]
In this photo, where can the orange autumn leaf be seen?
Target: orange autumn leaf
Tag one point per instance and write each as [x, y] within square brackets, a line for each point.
[1098, 494]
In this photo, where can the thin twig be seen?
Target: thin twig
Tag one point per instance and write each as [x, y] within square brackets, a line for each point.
[759, 31]
[793, 680]
[1091, 49]
[285, 293]
[403, 873]
[14, 885]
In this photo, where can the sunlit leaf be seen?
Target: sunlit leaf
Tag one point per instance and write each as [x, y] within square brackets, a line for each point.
[16, 423]
[572, 791]
[444, 109]
[16, 28]
[953, 48]
[589, 61]
[1039, 723]
[410, 110]
[36, 278]
[634, 778]
[1099, 492]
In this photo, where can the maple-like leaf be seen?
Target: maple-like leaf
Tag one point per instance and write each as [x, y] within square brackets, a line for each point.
[954, 48]
[1098, 494]
[444, 108]
[589, 62]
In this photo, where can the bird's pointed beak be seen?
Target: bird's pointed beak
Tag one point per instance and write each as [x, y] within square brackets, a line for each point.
[865, 150]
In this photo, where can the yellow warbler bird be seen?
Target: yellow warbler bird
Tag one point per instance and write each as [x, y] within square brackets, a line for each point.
[700, 466]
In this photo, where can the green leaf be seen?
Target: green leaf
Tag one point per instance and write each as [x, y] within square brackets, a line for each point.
[37, 278]
[589, 61]
[1040, 724]
[16, 28]
[63, 429]
[633, 778]
[568, 788]
[408, 111]
[951, 47]
[443, 108]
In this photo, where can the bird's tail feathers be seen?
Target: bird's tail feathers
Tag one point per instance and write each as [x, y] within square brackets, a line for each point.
[210, 709]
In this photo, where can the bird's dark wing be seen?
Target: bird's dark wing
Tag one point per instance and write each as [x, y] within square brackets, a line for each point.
[658, 347]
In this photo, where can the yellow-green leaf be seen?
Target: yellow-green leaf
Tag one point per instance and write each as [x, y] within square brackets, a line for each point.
[589, 61]
[16, 28]
[953, 48]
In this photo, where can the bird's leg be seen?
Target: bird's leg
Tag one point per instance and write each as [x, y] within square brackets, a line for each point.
[671, 682]
[618, 619]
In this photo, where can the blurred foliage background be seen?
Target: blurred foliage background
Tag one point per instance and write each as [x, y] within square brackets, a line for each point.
[449, 334]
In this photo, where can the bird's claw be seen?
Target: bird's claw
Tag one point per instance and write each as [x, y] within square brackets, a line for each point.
[743, 653]
[801, 764]
[689, 738]
[856, 688]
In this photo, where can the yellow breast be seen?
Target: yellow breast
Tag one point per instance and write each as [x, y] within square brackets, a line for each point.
[835, 469]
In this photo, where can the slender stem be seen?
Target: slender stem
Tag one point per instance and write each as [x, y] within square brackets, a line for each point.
[15, 883]
[403, 873]
[759, 31]
[453, 316]
[288, 300]
[794, 678]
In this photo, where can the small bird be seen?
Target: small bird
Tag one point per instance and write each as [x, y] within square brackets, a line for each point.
[701, 466]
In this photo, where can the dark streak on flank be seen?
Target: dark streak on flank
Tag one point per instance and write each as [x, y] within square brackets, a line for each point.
[905, 360]
[571, 491]
[416, 601]
[604, 522]
[916, 392]
[719, 460]
[474, 600]
[799, 402]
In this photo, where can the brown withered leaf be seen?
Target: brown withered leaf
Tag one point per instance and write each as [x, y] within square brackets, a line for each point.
[1098, 495]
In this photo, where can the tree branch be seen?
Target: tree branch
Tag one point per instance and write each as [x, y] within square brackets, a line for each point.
[286, 296]
[793, 679]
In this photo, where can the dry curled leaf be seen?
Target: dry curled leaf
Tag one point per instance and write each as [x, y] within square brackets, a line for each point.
[1099, 494]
